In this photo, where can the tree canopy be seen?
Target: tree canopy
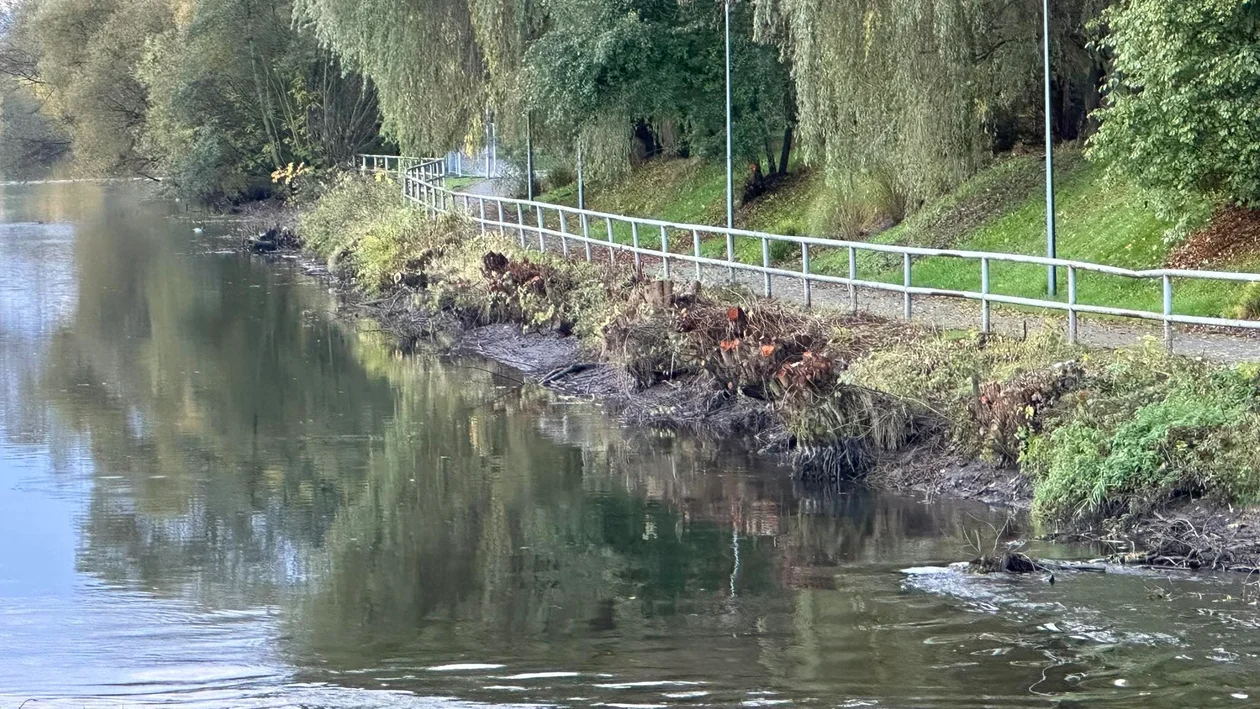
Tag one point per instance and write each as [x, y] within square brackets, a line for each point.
[216, 94]
[1182, 116]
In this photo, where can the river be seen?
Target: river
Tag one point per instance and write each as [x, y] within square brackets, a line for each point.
[215, 493]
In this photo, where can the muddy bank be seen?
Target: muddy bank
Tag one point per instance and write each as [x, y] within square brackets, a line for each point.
[1190, 535]
[693, 403]
[1087, 440]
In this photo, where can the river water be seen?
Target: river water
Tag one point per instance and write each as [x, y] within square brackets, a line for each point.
[214, 493]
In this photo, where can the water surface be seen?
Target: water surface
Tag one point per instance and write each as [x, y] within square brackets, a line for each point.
[214, 493]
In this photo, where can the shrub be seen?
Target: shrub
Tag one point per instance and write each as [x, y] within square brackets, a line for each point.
[1155, 428]
[343, 214]
[560, 175]
[1178, 118]
[888, 199]
[1248, 306]
[844, 215]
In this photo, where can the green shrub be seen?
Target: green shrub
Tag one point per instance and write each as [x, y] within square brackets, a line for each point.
[784, 250]
[843, 214]
[1155, 428]
[887, 197]
[559, 175]
[1248, 306]
[343, 214]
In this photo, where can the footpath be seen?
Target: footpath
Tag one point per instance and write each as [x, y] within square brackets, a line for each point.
[1231, 346]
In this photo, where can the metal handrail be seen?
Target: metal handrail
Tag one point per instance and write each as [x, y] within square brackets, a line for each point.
[423, 182]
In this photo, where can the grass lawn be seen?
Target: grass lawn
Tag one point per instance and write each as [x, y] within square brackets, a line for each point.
[1002, 209]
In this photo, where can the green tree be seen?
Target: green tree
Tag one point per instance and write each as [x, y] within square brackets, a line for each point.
[658, 65]
[30, 141]
[1181, 115]
[237, 91]
[88, 52]
[923, 90]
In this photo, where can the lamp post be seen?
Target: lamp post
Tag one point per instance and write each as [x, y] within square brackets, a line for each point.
[581, 195]
[730, 168]
[529, 157]
[1051, 274]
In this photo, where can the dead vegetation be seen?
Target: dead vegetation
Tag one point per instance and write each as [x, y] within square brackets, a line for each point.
[1009, 411]
[847, 395]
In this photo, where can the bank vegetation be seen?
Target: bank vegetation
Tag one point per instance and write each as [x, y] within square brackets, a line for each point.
[1098, 437]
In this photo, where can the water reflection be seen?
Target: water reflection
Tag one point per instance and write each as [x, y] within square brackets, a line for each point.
[215, 494]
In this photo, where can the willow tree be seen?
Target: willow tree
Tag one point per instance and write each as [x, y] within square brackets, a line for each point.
[437, 64]
[236, 91]
[648, 76]
[919, 89]
[88, 53]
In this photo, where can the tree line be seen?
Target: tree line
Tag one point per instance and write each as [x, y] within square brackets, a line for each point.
[214, 95]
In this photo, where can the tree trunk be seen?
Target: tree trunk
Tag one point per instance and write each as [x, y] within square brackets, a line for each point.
[786, 153]
[765, 136]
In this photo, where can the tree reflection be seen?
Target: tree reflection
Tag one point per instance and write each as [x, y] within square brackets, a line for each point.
[245, 450]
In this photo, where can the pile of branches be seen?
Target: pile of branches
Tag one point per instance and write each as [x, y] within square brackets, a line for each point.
[769, 352]
[1005, 411]
[758, 351]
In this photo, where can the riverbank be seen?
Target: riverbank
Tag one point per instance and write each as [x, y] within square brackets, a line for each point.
[1133, 445]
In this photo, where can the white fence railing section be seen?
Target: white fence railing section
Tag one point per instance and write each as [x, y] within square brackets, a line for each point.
[423, 182]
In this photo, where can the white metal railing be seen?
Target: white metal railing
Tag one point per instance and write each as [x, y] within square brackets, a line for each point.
[423, 182]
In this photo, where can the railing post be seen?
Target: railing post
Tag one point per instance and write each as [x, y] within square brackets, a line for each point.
[481, 213]
[586, 236]
[634, 241]
[1073, 332]
[542, 241]
[852, 278]
[805, 281]
[985, 306]
[520, 223]
[730, 255]
[499, 204]
[1168, 312]
[612, 252]
[905, 278]
[564, 229]
[765, 263]
[695, 244]
[665, 251]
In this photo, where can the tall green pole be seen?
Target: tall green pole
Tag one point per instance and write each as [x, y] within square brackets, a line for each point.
[529, 157]
[581, 180]
[730, 167]
[1051, 250]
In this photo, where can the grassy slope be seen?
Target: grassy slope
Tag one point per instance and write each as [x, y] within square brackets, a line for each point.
[693, 192]
[1001, 209]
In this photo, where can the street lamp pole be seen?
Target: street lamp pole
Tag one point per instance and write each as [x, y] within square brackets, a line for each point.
[529, 156]
[730, 168]
[580, 181]
[1051, 274]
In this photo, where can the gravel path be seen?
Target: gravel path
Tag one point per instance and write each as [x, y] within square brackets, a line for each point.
[952, 313]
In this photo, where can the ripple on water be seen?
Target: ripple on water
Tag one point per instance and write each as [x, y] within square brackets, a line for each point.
[464, 667]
